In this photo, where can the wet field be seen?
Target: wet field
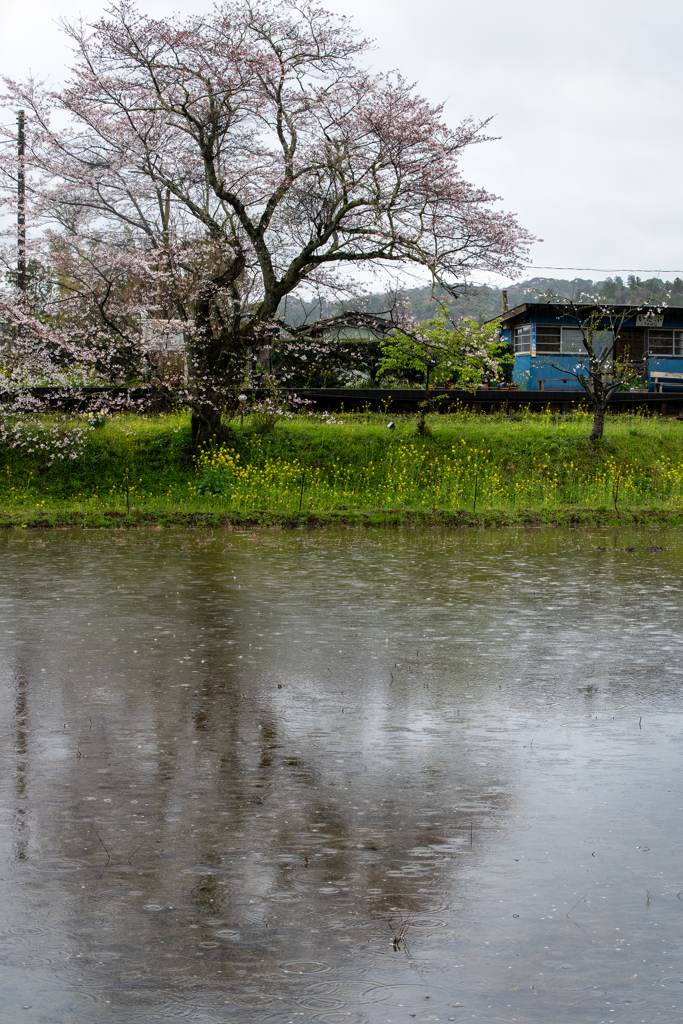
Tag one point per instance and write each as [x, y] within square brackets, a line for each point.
[366, 777]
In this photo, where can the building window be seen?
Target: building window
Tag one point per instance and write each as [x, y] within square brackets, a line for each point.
[572, 341]
[547, 339]
[566, 341]
[603, 340]
[523, 339]
[665, 343]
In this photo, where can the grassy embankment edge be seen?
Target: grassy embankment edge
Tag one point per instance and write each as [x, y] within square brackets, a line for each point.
[489, 519]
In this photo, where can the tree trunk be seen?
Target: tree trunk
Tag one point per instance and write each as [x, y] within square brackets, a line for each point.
[216, 368]
[599, 410]
[206, 425]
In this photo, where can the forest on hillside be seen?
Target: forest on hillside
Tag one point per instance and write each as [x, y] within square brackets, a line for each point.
[483, 302]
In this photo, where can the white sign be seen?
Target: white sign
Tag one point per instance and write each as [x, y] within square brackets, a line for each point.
[645, 320]
[163, 335]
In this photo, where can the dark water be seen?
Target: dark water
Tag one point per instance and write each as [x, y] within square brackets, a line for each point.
[341, 777]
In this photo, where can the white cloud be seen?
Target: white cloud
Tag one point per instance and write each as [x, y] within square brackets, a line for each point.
[586, 97]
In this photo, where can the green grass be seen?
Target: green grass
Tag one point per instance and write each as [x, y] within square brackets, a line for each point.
[467, 469]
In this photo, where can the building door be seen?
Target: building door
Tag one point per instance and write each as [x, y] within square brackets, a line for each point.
[630, 346]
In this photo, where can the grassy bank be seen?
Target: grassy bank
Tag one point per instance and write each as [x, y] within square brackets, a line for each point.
[468, 469]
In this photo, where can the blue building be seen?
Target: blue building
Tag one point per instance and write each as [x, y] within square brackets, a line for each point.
[545, 342]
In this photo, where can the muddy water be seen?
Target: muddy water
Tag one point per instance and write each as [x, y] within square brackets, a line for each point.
[342, 777]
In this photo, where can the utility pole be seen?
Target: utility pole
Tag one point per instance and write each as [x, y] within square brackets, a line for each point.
[21, 203]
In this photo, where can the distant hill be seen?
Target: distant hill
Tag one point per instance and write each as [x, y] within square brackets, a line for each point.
[483, 302]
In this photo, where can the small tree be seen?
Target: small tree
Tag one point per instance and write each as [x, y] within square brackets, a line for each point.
[444, 351]
[599, 372]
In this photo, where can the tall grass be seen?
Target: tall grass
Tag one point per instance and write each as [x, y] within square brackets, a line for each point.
[466, 461]
[411, 476]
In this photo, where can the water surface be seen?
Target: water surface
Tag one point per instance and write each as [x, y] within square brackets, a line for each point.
[365, 777]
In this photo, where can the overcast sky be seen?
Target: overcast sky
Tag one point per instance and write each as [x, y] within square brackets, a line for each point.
[586, 96]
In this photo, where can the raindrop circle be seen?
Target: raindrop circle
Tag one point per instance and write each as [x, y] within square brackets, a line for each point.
[304, 967]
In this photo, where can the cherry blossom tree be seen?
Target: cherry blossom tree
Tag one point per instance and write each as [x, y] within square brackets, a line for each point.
[599, 371]
[198, 170]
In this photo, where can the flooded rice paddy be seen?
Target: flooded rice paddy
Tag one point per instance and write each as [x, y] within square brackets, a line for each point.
[345, 777]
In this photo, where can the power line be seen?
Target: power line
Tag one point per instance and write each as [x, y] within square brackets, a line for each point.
[609, 270]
